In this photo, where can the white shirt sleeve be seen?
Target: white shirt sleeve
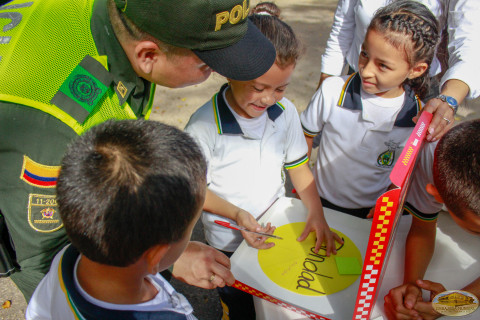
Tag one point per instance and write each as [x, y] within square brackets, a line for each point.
[296, 146]
[43, 300]
[422, 175]
[463, 22]
[340, 38]
[318, 110]
[39, 306]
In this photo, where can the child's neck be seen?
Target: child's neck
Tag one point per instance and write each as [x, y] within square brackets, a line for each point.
[392, 93]
[127, 285]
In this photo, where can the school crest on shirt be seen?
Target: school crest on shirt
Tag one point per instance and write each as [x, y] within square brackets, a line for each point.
[386, 158]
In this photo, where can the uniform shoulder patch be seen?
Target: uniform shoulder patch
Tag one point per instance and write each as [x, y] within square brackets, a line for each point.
[43, 213]
[83, 89]
[39, 175]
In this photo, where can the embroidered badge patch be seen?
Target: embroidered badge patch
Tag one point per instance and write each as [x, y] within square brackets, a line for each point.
[43, 213]
[122, 89]
[82, 87]
[385, 159]
[39, 175]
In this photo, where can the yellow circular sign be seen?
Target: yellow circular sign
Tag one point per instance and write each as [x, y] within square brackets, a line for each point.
[296, 267]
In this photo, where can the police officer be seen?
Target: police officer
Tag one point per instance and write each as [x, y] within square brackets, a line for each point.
[66, 66]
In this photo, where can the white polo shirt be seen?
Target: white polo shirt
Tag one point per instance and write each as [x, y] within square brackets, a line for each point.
[355, 155]
[244, 170]
[419, 202]
[60, 296]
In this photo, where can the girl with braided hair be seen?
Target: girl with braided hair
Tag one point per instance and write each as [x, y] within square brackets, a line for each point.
[453, 70]
[365, 119]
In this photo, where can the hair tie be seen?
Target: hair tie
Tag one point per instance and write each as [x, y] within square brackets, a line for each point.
[264, 13]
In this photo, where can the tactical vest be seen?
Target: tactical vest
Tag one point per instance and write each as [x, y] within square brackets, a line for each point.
[49, 61]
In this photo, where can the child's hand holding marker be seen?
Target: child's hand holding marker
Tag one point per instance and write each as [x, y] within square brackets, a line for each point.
[252, 229]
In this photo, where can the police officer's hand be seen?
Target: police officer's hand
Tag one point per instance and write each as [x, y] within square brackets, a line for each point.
[203, 266]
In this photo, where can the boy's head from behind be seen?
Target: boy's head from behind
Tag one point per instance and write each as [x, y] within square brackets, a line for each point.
[456, 173]
[126, 186]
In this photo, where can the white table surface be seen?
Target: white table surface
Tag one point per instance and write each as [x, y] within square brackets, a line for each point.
[454, 264]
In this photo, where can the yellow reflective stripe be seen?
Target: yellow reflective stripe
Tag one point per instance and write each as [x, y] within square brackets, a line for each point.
[149, 106]
[129, 111]
[102, 59]
[47, 108]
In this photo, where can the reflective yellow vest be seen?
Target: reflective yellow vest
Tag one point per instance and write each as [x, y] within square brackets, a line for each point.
[47, 59]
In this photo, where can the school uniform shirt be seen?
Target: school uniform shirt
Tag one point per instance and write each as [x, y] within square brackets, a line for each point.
[60, 296]
[459, 17]
[245, 164]
[419, 202]
[361, 139]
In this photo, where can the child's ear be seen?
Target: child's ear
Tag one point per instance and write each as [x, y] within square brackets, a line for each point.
[146, 54]
[418, 70]
[434, 192]
[154, 255]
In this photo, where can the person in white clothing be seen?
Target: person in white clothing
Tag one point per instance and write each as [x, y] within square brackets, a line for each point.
[365, 119]
[129, 194]
[249, 134]
[449, 173]
[454, 67]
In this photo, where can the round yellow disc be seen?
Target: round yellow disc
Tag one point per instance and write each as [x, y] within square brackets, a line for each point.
[296, 267]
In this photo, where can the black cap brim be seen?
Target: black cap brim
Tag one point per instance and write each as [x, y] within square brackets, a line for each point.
[245, 60]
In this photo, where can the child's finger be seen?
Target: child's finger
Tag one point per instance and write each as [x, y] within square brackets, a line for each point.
[318, 244]
[331, 242]
[431, 286]
[266, 245]
[270, 230]
[337, 238]
[260, 243]
[371, 213]
[304, 234]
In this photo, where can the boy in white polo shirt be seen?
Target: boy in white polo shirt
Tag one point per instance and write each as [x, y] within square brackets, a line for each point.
[449, 173]
[129, 194]
[249, 133]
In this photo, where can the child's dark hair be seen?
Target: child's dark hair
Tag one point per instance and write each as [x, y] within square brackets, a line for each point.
[266, 16]
[404, 19]
[126, 186]
[456, 168]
